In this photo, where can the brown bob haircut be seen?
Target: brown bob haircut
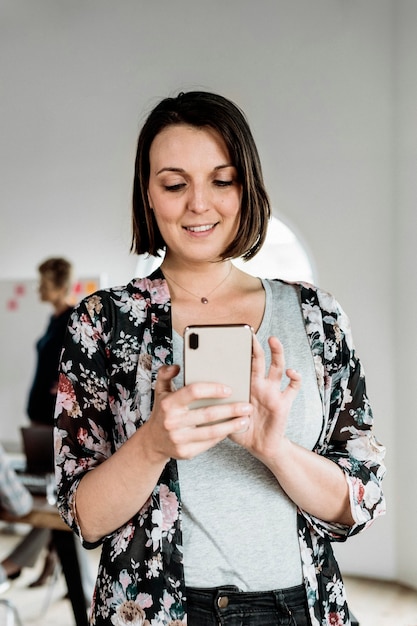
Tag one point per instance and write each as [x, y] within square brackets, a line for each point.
[203, 109]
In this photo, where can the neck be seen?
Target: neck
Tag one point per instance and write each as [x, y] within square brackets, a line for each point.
[198, 282]
[60, 307]
[194, 273]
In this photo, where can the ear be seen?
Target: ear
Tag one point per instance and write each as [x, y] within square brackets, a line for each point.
[149, 199]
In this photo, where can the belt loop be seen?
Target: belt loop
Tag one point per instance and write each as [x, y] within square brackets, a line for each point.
[281, 604]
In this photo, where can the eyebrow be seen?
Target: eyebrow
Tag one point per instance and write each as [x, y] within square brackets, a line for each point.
[180, 170]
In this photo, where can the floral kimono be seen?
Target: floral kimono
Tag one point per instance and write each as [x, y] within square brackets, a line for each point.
[116, 341]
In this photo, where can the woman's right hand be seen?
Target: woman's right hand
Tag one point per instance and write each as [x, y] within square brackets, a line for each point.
[176, 431]
[126, 479]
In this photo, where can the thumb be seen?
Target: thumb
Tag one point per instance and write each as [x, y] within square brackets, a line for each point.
[165, 375]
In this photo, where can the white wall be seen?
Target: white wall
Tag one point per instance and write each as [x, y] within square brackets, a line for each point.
[316, 81]
[404, 220]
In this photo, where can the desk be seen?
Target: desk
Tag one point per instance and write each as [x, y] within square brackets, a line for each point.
[44, 515]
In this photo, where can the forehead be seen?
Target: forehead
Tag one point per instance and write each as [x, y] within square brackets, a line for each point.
[181, 141]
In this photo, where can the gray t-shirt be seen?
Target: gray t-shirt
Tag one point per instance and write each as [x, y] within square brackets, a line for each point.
[239, 527]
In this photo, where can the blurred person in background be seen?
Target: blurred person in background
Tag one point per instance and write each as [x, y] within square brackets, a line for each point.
[55, 279]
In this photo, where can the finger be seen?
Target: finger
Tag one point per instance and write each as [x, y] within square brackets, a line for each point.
[258, 358]
[216, 431]
[276, 369]
[193, 392]
[186, 414]
[193, 441]
[295, 381]
[220, 413]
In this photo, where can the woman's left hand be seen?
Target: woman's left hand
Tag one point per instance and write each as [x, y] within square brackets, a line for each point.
[314, 483]
[271, 404]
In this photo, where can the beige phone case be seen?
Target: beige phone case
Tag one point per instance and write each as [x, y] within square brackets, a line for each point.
[221, 354]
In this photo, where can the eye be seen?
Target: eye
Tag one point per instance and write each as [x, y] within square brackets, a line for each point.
[176, 187]
[223, 183]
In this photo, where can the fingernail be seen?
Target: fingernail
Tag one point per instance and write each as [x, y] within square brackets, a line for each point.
[244, 425]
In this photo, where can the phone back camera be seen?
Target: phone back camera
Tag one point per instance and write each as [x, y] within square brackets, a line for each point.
[193, 341]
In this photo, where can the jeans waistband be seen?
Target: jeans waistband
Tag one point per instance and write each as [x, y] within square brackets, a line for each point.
[229, 595]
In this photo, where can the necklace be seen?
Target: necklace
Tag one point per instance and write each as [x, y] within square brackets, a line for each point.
[203, 299]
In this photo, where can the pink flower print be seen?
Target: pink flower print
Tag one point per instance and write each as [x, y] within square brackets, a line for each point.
[335, 619]
[167, 601]
[169, 507]
[161, 353]
[82, 436]
[346, 463]
[65, 387]
[122, 539]
[144, 600]
[358, 489]
[66, 398]
[125, 579]
[70, 467]
[159, 291]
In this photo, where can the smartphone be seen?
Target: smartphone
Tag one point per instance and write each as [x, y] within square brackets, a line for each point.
[220, 353]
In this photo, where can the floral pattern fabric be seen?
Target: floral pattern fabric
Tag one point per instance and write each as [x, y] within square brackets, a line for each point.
[116, 341]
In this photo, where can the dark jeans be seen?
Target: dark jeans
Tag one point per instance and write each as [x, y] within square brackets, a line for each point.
[227, 606]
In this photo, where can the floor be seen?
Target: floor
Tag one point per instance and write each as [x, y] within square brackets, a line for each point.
[381, 603]
[374, 603]
[40, 606]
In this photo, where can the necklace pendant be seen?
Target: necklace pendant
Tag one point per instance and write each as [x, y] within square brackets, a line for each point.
[204, 301]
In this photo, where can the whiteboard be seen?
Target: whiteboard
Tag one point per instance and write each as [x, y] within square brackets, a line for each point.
[23, 319]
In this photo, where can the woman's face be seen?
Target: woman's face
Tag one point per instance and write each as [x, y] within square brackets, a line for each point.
[194, 192]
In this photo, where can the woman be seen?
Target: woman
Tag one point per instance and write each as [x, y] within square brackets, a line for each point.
[55, 281]
[234, 517]
[54, 287]
[55, 275]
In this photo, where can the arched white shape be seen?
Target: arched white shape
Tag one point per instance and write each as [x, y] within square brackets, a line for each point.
[281, 256]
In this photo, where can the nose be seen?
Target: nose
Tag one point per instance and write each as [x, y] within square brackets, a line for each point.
[198, 199]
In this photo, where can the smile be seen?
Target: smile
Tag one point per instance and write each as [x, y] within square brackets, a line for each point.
[199, 229]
